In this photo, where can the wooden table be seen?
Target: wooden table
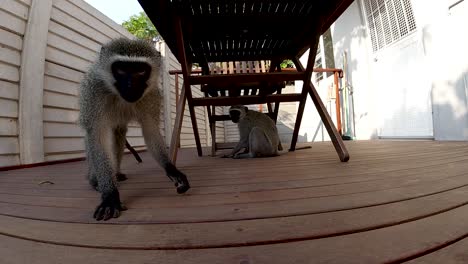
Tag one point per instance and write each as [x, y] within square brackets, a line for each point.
[204, 31]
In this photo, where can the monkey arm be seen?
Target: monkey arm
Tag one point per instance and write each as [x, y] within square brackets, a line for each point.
[102, 163]
[157, 147]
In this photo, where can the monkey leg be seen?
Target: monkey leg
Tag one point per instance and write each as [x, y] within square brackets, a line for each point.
[102, 162]
[259, 145]
[119, 134]
[158, 150]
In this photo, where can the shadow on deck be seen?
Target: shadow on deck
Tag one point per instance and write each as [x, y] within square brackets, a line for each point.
[393, 201]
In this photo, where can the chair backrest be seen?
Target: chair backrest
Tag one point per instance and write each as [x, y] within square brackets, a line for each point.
[232, 67]
[236, 67]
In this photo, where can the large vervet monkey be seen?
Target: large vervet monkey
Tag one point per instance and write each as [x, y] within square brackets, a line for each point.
[258, 134]
[121, 86]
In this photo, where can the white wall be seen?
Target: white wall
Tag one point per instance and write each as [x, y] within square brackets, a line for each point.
[442, 40]
[445, 42]
[350, 37]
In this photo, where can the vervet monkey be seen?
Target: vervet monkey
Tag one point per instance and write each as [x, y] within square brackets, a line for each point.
[258, 134]
[121, 86]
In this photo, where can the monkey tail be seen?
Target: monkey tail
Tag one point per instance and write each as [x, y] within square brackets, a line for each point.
[133, 151]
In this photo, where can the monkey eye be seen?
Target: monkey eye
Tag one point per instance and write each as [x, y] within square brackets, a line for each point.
[140, 72]
[121, 72]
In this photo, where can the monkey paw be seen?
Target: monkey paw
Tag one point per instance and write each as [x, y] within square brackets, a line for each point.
[179, 179]
[110, 207]
[121, 176]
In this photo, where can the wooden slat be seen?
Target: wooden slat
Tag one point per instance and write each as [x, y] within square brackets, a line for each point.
[54, 55]
[55, 70]
[56, 145]
[395, 201]
[9, 108]
[246, 100]
[57, 85]
[60, 115]
[60, 100]
[8, 126]
[11, 40]
[62, 130]
[61, 43]
[247, 78]
[9, 145]
[9, 72]
[9, 160]
[12, 23]
[14, 7]
[101, 17]
[63, 18]
[73, 36]
[9, 90]
[10, 56]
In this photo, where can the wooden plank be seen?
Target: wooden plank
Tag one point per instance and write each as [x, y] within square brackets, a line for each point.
[246, 100]
[9, 160]
[16, 8]
[54, 55]
[246, 78]
[76, 25]
[9, 90]
[32, 83]
[56, 130]
[224, 234]
[12, 23]
[9, 72]
[61, 100]
[53, 157]
[10, 56]
[25, 2]
[455, 253]
[100, 16]
[9, 108]
[8, 126]
[11, 40]
[79, 14]
[63, 44]
[53, 84]
[57, 145]
[391, 244]
[73, 36]
[9, 145]
[65, 73]
[60, 115]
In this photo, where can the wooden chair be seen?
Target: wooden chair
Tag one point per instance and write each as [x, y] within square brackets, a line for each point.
[206, 31]
[236, 90]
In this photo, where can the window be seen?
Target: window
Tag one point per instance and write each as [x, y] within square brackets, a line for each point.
[388, 21]
[318, 64]
[328, 50]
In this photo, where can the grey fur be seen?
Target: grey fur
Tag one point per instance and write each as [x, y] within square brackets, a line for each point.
[104, 116]
[258, 135]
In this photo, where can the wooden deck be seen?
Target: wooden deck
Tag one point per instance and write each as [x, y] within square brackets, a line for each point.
[394, 201]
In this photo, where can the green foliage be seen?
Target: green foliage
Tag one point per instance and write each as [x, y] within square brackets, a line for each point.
[140, 25]
[287, 64]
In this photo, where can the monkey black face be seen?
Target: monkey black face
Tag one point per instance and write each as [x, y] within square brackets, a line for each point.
[235, 115]
[130, 79]
[237, 112]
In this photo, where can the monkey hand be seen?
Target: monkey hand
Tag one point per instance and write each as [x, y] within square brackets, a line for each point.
[109, 207]
[227, 156]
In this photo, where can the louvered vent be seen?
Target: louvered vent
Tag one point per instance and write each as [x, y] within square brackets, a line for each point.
[388, 21]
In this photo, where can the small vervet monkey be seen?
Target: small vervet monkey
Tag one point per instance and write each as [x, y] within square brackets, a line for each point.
[120, 87]
[258, 134]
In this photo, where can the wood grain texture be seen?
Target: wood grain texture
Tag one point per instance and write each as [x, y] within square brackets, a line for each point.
[395, 201]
